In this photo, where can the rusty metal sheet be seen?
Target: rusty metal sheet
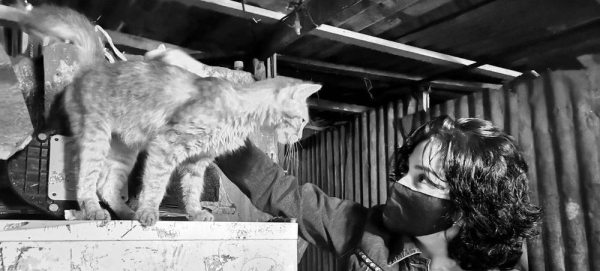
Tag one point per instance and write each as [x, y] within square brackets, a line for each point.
[62, 184]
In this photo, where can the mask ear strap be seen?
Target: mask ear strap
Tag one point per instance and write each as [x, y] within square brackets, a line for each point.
[458, 221]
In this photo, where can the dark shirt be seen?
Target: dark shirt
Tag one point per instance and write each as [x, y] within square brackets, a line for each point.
[354, 233]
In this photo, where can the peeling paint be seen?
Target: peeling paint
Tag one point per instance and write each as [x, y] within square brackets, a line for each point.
[572, 210]
[24, 261]
[167, 233]
[241, 234]
[74, 266]
[64, 72]
[25, 73]
[260, 264]
[177, 255]
[56, 178]
[12, 226]
[2, 258]
[216, 262]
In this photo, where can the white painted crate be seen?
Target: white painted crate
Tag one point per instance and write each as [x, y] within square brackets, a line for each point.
[126, 245]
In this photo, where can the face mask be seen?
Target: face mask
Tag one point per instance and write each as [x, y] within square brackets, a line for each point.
[416, 214]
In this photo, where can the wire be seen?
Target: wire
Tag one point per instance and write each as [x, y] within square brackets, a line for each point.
[110, 42]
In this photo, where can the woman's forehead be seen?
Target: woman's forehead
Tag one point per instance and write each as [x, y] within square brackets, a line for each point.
[423, 151]
[426, 160]
[426, 156]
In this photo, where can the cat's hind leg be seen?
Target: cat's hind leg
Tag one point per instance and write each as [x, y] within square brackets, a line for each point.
[192, 184]
[163, 158]
[119, 164]
[93, 143]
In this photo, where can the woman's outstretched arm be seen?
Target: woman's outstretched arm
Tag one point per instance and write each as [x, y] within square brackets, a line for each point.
[328, 222]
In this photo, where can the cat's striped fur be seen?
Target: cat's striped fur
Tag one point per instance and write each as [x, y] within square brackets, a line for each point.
[182, 120]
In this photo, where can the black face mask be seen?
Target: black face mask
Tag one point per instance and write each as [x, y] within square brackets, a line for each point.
[416, 214]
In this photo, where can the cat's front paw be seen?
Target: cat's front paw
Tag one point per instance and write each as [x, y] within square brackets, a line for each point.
[147, 217]
[201, 215]
[99, 214]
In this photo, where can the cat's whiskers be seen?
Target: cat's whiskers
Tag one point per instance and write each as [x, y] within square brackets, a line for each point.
[287, 157]
[291, 155]
[294, 159]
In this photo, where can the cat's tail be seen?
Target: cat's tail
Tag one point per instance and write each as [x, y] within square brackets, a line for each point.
[66, 24]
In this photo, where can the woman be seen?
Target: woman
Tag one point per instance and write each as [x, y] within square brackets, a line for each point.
[459, 201]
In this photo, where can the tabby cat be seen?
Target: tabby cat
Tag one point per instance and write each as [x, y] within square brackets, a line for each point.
[183, 121]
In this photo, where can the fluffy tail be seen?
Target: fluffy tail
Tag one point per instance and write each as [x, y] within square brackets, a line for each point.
[66, 24]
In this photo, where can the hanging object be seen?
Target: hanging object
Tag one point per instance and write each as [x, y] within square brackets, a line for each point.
[297, 25]
[238, 65]
[110, 42]
[425, 98]
[271, 66]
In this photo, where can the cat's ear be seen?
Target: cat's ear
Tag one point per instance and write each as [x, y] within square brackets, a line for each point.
[302, 91]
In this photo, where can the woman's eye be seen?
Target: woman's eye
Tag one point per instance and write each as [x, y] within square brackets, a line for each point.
[423, 179]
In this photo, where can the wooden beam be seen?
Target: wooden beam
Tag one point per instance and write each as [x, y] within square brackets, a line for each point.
[145, 44]
[403, 50]
[345, 69]
[380, 75]
[13, 15]
[336, 107]
[345, 36]
[306, 17]
[348, 37]
[10, 15]
[142, 43]
[462, 85]
[236, 9]
[313, 127]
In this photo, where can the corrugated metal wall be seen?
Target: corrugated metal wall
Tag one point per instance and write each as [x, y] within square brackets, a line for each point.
[555, 120]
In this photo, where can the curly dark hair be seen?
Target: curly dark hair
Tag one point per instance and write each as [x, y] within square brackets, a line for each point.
[487, 177]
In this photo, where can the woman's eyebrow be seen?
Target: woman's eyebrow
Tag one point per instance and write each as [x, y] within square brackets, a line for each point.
[424, 169]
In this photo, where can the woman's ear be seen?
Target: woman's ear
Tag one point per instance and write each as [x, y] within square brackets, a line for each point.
[454, 230]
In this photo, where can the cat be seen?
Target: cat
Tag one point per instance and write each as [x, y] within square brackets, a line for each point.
[181, 120]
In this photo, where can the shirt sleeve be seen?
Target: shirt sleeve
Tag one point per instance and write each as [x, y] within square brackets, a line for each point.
[328, 222]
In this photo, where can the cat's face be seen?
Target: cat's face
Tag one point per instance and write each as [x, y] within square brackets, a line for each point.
[293, 111]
